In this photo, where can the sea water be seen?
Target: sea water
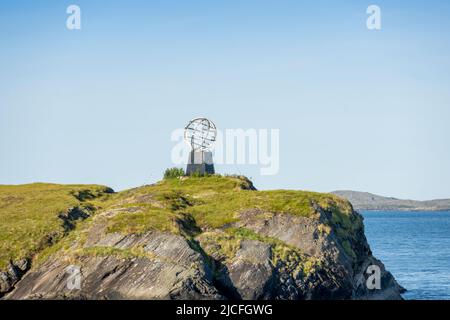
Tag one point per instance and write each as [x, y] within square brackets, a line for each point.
[415, 248]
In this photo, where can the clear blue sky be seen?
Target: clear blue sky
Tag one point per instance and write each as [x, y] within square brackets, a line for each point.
[357, 109]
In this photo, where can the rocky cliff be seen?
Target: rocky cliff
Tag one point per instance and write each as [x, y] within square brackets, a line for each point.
[197, 238]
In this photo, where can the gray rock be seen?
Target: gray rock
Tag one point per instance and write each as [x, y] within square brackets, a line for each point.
[13, 274]
[171, 271]
[251, 272]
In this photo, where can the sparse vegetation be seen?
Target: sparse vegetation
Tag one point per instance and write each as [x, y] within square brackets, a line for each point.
[225, 244]
[148, 218]
[173, 173]
[99, 251]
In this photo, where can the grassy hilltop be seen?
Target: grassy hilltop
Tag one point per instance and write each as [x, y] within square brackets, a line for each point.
[33, 215]
[212, 237]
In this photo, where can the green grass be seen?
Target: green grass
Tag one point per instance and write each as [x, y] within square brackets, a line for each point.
[29, 216]
[187, 206]
[216, 201]
[147, 219]
[219, 200]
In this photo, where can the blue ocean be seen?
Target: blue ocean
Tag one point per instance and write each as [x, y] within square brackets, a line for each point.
[415, 248]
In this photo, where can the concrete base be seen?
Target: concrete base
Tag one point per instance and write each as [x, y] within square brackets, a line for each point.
[200, 162]
[200, 169]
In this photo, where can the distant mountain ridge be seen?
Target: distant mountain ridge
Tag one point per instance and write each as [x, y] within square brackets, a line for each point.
[369, 201]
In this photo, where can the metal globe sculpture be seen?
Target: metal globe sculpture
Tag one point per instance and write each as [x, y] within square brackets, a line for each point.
[200, 134]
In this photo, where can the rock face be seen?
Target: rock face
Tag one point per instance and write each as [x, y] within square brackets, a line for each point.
[261, 253]
[167, 269]
[333, 273]
[12, 274]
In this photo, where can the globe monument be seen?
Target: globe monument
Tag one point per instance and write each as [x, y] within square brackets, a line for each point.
[200, 134]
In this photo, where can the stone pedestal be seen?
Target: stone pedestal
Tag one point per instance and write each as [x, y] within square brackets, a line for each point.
[200, 162]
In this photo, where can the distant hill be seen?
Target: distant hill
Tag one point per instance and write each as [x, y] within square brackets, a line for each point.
[369, 201]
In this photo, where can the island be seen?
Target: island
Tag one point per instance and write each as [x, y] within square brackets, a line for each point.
[365, 201]
[197, 237]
